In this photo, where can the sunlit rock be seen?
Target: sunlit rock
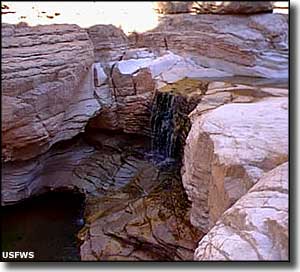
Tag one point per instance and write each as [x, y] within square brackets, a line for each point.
[228, 149]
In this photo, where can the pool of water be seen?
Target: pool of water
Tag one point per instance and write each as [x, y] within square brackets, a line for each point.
[46, 225]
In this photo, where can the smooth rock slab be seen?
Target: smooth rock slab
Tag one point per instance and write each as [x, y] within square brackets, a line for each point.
[255, 227]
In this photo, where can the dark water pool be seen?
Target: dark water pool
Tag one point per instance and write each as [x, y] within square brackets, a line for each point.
[46, 224]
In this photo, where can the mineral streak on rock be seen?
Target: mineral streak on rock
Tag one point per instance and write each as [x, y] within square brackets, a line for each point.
[170, 124]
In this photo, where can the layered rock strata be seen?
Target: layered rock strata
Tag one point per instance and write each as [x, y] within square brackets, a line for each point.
[128, 89]
[109, 42]
[57, 79]
[47, 91]
[213, 7]
[247, 45]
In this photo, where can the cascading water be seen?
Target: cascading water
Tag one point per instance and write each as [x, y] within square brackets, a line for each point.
[169, 127]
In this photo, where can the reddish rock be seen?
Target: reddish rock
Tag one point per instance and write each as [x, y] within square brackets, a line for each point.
[46, 87]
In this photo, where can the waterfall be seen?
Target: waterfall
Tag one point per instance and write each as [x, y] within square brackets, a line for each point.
[169, 127]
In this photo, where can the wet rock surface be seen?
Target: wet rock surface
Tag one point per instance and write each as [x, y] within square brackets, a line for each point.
[127, 88]
[147, 219]
[170, 123]
[134, 210]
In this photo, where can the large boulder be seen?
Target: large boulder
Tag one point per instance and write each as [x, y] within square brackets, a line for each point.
[246, 45]
[230, 146]
[255, 227]
[47, 91]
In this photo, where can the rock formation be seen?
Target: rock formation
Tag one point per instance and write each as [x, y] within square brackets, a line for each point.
[75, 100]
[127, 97]
[213, 7]
[229, 147]
[147, 219]
[232, 7]
[109, 42]
[47, 92]
[173, 7]
[247, 45]
[255, 227]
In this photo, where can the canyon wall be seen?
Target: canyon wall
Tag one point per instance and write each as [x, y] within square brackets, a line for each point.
[61, 80]
[47, 91]
[213, 7]
[244, 45]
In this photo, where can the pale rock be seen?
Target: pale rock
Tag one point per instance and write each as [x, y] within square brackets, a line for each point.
[100, 76]
[132, 85]
[255, 227]
[228, 149]
[246, 45]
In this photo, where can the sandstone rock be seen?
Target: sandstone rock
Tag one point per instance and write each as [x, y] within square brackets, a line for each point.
[255, 227]
[232, 7]
[228, 149]
[247, 45]
[110, 42]
[126, 103]
[73, 164]
[213, 7]
[100, 76]
[46, 87]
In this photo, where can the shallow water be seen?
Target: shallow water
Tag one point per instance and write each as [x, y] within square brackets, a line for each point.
[46, 225]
